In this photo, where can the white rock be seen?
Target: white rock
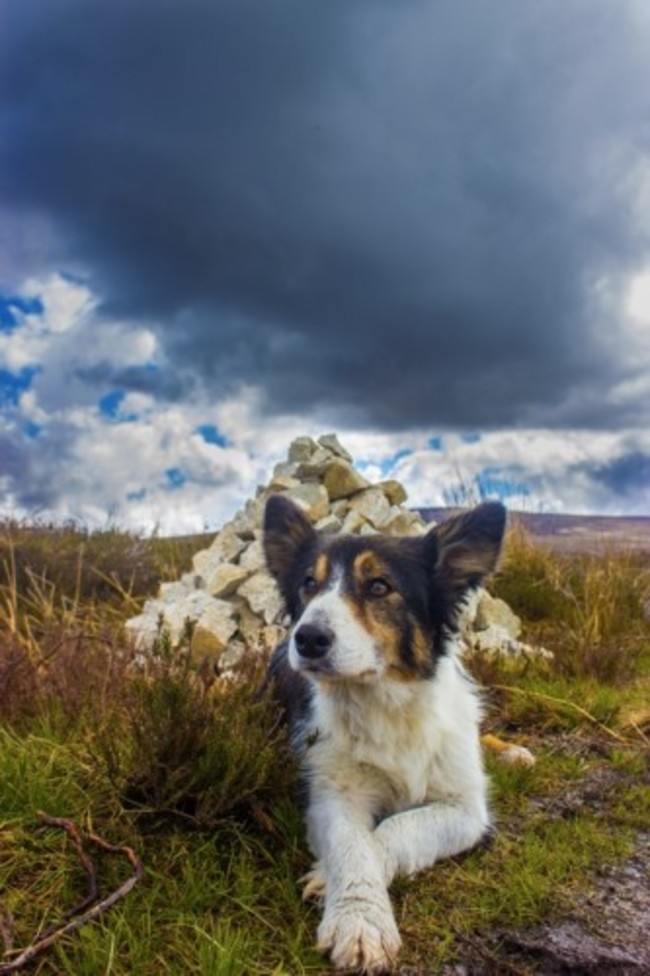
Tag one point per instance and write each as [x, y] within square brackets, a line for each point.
[252, 559]
[328, 525]
[312, 499]
[302, 449]
[227, 544]
[492, 612]
[173, 592]
[262, 596]
[315, 467]
[401, 522]
[191, 608]
[193, 581]
[281, 482]
[353, 523]
[143, 629]
[213, 630]
[226, 579]
[372, 505]
[394, 491]
[332, 443]
[341, 479]
[286, 469]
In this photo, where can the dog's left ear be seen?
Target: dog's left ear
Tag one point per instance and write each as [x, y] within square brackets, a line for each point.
[467, 546]
[288, 534]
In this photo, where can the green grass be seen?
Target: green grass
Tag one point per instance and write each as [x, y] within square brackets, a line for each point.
[198, 779]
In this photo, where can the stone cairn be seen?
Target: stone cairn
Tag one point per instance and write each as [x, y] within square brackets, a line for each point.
[229, 596]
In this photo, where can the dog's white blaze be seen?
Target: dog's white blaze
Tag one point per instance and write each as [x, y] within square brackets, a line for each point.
[353, 652]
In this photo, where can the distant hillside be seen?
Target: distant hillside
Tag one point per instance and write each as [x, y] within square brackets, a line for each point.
[574, 533]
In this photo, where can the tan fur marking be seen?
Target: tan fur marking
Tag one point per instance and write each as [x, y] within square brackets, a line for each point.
[321, 569]
[376, 617]
[368, 565]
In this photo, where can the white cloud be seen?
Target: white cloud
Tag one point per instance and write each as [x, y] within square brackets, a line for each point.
[88, 466]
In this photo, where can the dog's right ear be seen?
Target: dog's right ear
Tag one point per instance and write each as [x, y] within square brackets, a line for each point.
[288, 534]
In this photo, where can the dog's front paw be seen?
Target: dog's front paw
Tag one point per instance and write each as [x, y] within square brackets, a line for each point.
[359, 933]
[314, 883]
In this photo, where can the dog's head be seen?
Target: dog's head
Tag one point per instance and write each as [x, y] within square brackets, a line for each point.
[366, 607]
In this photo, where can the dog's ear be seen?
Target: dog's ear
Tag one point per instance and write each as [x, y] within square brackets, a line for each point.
[467, 546]
[287, 535]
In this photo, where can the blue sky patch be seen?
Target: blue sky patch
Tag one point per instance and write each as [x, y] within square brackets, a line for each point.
[435, 443]
[32, 430]
[176, 478]
[212, 435]
[470, 438]
[12, 385]
[110, 407]
[501, 483]
[137, 496]
[12, 305]
[386, 465]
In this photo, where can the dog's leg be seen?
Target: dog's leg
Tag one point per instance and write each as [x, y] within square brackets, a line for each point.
[358, 929]
[415, 839]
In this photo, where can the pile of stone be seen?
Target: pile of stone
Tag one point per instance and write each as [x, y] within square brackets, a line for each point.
[230, 598]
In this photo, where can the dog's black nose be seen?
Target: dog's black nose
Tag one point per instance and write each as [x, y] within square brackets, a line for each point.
[313, 640]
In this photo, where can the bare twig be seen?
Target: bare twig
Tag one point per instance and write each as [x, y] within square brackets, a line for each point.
[88, 910]
[91, 874]
[7, 929]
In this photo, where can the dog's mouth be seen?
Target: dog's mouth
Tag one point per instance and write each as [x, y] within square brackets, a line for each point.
[325, 672]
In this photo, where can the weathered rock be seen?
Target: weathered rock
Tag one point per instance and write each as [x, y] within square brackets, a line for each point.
[332, 443]
[262, 596]
[173, 592]
[353, 523]
[253, 558]
[143, 629]
[250, 624]
[286, 469]
[226, 579]
[315, 467]
[341, 480]
[302, 449]
[213, 630]
[226, 547]
[492, 612]
[312, 499]
[231, 656]
[192, 581]
[372, 505]
[403, 523]
[328, 524]
[282, 482]
[394, 491]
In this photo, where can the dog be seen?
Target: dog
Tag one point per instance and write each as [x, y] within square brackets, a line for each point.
[380, 710]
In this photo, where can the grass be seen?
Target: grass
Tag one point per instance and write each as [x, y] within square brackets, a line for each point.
[198, 779]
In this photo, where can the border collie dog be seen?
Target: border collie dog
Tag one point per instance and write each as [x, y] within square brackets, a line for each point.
[381, 712]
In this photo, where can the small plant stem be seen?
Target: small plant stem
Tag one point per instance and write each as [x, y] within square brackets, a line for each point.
[511, 689]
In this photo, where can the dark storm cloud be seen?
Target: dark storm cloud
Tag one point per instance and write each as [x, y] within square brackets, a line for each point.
[395, 209]
[26, 466]
[625, 476]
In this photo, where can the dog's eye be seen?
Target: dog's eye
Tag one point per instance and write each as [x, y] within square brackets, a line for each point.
[310, 584]
[379, 587]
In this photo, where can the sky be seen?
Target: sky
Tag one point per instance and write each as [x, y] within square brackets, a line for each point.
[225, 223]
